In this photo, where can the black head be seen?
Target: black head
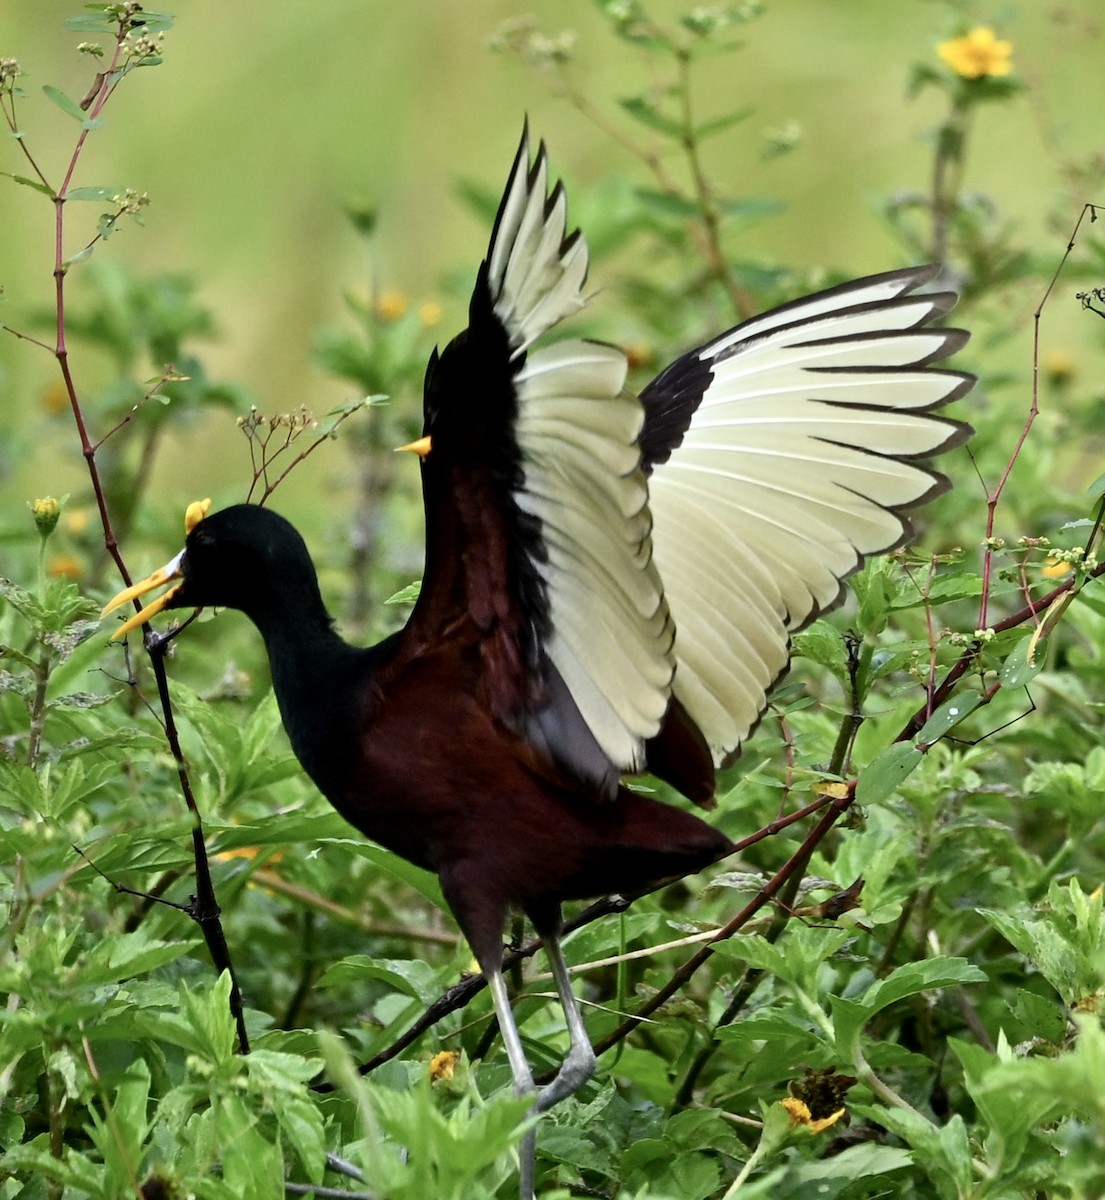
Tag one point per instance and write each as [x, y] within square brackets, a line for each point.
[243, 557]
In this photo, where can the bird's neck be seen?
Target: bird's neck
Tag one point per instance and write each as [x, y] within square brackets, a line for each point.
[317, 678]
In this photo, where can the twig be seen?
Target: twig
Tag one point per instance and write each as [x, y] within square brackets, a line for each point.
[204, 909]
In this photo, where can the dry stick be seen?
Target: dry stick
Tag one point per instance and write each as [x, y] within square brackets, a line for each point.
[1033, 411]
[203, 908]
[796, 866]
[837, 807]
[705, 199]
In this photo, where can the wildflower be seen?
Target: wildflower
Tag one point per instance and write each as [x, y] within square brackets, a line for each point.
[390, 305]
[46, 513]
[54, 399]
[65, 566]
[638, 354]
[1059, 366]
[443, 1064]
[817, 1099]
[1055, 568]
[76, 522]
[977, 54]
[800, 1115]
[429, 313]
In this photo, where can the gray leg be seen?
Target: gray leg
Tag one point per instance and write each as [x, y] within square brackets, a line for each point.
[519, 1067]
[579, 1065]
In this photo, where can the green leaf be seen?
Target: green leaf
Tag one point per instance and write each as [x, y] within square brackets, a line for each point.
[1097, 488]
[911, 979]
[23, 181]
[406, 595]
[411, 977]
[667, 204]
[82, 255]
[128, 954]
[100, 23]
[885, 773]
[719, 124]
[1017, 670]
[69, 107]
[643, 108]
[424, 882]
[751, 208]
[947, 716]
[1041, 1017]
[943, 1153]
[93, 193]
[827, 1177]
[946, 588]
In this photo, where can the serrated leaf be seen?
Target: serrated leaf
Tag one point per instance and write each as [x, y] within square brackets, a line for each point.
[1042, 1018]
[80, 700]
[423, 882]
[127, 955]
[406, 595]
[67, 105]
[411, 977]
[885, 773]
[910, 979]
[831, 1175]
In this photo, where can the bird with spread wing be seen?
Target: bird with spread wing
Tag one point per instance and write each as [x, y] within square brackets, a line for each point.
[611, 581]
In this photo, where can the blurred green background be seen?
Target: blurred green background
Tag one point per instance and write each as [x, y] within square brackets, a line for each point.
[265, 121]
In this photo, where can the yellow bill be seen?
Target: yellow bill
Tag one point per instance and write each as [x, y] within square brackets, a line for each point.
[163, 575]
[195, 513]
[421, 447]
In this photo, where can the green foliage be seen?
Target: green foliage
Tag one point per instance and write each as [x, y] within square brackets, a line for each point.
[942, 974]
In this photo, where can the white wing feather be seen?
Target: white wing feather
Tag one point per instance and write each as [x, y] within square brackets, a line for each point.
[799, 460]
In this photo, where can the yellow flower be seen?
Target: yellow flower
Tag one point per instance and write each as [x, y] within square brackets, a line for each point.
[443, 1064]
[1059, 365]
[977, 54]
[800, 1115]
[429, 313]
[1055, 569]
[76, 522]
[46, 513]
[54, 399]
[390, 306]
[65, 566]
[639, 354]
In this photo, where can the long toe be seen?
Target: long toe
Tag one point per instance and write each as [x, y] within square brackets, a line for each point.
[574, 1072]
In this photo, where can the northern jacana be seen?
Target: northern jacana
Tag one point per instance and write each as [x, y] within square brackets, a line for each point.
[610, 586]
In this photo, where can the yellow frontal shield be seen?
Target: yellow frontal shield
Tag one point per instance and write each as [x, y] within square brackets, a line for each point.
[195, 513]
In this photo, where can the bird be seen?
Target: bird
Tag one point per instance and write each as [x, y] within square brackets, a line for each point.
[611, 582]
